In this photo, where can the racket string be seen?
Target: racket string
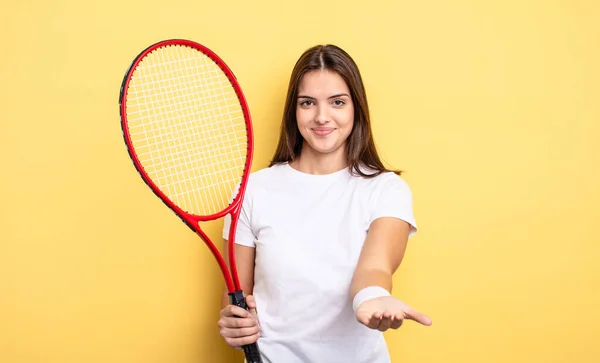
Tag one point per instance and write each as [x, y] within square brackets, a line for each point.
[206, 174]
[230, 117]
[212, 147]
[189, 129]
[180, 173]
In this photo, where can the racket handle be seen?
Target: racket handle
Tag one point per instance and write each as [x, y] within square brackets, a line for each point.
[252, 353]
[250, 350]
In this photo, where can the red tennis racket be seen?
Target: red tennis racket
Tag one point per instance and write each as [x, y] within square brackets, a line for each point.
[188, 131]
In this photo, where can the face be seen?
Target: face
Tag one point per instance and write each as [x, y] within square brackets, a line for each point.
[324, 112]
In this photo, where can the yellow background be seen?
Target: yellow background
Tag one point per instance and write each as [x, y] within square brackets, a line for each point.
[492, 108]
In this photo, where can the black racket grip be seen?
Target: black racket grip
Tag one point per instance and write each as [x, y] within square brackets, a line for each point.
[250, 350]
[252, 353]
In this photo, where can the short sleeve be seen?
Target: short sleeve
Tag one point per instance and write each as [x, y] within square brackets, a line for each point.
[393, 198]
[244, 235]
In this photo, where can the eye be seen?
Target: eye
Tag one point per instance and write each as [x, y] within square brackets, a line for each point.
[306, 103]
[339, 102]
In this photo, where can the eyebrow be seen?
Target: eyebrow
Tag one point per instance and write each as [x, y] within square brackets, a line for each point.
[334, 96]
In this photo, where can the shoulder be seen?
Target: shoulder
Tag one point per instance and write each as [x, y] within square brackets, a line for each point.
[390, 196]
[263, 178]
[385, 182]
[389, 180]
[267, 174]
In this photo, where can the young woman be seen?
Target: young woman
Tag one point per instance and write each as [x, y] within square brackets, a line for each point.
[322, 229]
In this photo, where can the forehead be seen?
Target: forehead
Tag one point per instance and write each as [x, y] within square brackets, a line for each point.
[322, 81]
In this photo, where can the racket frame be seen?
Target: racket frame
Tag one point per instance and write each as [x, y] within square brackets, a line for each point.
[192, 221]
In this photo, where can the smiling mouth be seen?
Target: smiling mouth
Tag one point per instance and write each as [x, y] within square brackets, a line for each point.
[323, 131]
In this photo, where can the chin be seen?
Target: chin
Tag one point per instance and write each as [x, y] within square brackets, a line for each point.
[320, 148]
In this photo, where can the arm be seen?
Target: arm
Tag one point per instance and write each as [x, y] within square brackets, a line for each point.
[244, 258]
[237, 326]
[381, 256]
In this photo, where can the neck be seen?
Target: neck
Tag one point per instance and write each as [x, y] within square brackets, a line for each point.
[311, 162]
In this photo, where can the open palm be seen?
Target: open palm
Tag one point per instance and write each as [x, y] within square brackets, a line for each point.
[387, 312]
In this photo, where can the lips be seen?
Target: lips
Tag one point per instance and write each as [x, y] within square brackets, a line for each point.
[323, 131]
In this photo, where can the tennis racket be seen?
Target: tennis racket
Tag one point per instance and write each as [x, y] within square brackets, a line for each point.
[188, 131]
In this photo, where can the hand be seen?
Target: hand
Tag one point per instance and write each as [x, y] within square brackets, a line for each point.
[239, 326]
[387, 312]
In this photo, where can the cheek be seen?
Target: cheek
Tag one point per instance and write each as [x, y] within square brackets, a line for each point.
[303, 117]
[347, 118]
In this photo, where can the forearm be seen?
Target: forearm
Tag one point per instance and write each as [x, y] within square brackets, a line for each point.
[225, 299]
[370, 277]
[245, 269]
[381, 256]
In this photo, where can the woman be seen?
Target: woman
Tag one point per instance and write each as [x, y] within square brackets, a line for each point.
[322, 229]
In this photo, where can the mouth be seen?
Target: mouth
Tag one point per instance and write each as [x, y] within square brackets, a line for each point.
[323, 131]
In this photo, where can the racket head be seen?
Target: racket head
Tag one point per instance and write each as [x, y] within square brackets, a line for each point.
[188, 129]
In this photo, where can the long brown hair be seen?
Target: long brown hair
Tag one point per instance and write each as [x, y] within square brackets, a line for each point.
[361, 150]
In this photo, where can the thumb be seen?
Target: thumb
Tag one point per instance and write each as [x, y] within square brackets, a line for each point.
[250, 302]
[417, 316]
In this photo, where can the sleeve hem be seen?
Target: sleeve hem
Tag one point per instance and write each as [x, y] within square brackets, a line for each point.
[413, 226]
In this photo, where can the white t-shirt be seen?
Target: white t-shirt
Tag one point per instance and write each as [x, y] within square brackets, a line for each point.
[308, 231]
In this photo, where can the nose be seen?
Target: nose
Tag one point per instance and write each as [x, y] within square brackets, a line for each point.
[322, 115]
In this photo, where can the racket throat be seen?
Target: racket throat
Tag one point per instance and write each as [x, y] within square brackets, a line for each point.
[237, 298]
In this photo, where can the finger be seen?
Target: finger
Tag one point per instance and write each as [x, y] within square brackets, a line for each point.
[235, 311]
[363, 318]
[397, 321]
[237, 323]
[240, 332]
[238, 342]
[250, 302]
[386, 322]
[417, 316]
[375, 320]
